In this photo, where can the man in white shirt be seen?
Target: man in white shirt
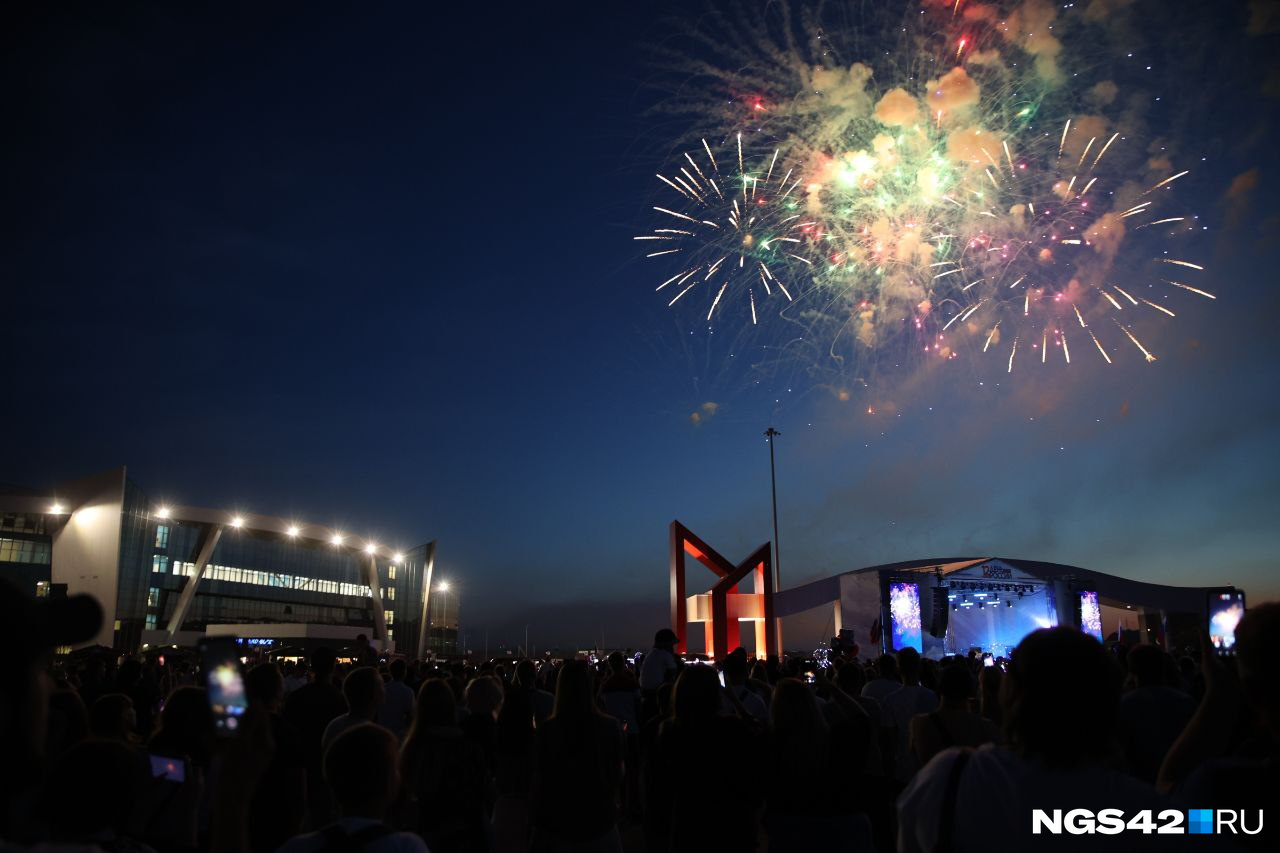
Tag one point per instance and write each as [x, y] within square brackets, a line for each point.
[660, 662]
[903, 704]
[735, 681]
[397, 702]
[886, 680]
[659, 666]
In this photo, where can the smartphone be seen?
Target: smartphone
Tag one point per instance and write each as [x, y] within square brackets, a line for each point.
[722, 678]
[168, 769]
[988, 660]
[810, 677]
[1225, 609]
[224, 683]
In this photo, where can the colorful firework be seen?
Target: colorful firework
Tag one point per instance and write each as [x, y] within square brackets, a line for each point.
[937, 210]
[735, 226]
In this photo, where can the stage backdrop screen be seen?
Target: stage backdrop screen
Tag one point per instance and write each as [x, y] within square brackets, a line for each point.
[1091, 615]
[904, 613]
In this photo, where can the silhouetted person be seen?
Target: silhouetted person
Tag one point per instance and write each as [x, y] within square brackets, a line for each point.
[686, 810]
[1152, 714]
[886, 681]
[952, 723]
[579, 769]
[29, 631]
[364, 654]
[660, 666]
[1060, 697]
[363, 692]
[902, 705]
[1230, 751]
[444, 775]
[513, 779]
[808, 804]
[360, 768]
[279, 803]
[112, 716]
[397, 703]
[310, 709]
[483, 700]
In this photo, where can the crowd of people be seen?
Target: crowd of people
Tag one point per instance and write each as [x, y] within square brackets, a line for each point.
[639, 753]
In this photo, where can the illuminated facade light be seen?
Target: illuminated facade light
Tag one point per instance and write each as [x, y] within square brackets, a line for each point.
[370, 548]
[397, 557]
[443, 587]
[336, 539]
[57, 508]
[293, 530]
[163, 512]
[237, 522]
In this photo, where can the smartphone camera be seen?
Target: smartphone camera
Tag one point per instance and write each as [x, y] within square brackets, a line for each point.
[224, 683]
[1226, 608]
[168, 769]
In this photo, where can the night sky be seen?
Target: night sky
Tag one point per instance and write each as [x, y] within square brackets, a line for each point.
[371, 266]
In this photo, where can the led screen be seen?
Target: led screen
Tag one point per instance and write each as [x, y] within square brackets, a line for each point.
[1091, 615]
[904, 614]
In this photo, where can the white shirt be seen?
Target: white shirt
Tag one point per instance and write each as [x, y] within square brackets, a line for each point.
[997, 793]
[396, 842]
[878, 688]
[397, 708]
[750, 700]
[653, 672]
[900, 706]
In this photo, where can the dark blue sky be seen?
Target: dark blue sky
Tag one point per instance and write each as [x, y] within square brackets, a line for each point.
[373, 267]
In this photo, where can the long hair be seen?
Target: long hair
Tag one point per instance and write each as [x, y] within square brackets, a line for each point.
[575, 698]
[696, 699]
[436, 707]
[1060, 697]
[801, 739]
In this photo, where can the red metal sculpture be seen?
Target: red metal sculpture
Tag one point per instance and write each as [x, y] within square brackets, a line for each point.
[723, 607]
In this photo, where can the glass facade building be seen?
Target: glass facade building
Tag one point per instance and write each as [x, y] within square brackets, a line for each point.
[246, 571]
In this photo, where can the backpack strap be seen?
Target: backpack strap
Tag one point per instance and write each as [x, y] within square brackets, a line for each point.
[947, 739]
[945, 842]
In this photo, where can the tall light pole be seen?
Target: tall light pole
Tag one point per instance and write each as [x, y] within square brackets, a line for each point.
[771, 434]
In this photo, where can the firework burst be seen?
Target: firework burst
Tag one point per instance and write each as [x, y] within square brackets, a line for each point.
[735, 226]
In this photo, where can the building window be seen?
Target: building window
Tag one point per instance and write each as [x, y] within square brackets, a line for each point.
[24, 551]
[160, 563]
[151, 622]
[391, 591]
[391, 617]
[153, 597]
[391, 573]
[162, 537]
